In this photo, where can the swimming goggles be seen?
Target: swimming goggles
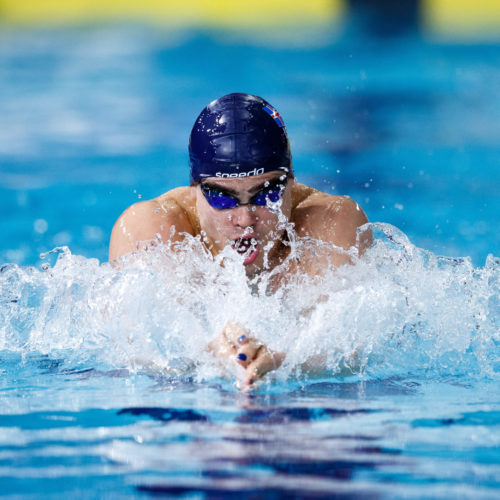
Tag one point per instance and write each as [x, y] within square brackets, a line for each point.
[221, 199]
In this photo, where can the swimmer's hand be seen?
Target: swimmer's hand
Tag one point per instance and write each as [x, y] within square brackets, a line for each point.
[255, 357]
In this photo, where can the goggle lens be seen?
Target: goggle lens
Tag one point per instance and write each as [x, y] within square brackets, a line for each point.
[218, 199]
[221, 199]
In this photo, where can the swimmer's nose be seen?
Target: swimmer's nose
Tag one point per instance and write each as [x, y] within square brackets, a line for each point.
[243, 216]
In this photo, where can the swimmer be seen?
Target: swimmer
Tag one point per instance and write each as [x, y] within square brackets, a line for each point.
[241, 172]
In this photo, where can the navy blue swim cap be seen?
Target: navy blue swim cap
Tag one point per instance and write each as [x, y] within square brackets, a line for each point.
[238, 135]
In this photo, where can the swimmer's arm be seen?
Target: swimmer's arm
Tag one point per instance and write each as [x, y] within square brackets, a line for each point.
[144, 224]
[332, 219]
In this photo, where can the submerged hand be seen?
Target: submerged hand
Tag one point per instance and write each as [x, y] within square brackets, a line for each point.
[255, 357]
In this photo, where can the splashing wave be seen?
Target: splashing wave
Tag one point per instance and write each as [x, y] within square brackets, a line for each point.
[398, 310]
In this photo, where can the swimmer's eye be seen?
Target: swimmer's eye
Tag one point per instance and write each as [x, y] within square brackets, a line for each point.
[221, 199]
[272, 192]
[218, 198]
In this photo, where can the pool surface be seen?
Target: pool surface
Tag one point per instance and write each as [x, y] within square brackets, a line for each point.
[106, 389]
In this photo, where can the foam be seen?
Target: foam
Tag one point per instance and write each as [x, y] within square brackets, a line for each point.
[398, 310]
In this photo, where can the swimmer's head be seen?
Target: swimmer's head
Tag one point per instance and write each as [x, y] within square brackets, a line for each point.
[238, 135]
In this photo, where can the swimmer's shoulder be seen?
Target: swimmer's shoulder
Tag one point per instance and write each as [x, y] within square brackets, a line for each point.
[300, 193]
[327, 217]
[178, 202]
[164, 218]
[305, 197]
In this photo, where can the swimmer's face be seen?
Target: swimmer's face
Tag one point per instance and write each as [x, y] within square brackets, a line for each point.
[249, 228]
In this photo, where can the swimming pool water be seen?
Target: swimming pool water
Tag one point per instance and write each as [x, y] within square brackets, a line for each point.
[159, 436]
[92, 119]
[104, 386]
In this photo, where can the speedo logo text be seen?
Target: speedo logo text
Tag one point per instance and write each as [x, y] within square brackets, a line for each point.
[255, 171]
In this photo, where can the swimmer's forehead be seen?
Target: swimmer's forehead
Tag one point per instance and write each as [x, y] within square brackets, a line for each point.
[255, 182]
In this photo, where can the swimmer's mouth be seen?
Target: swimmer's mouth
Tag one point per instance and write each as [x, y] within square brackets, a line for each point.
[248, 247]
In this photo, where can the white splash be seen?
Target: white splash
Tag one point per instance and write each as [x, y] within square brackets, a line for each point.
[398, 310]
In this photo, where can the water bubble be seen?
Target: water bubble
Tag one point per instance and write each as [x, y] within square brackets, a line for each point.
[40, 226]
[62, 238]
[93, 233]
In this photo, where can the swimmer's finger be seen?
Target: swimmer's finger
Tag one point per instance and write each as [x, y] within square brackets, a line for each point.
[247, 352]
[235, 334]
[265, 361]
[222, 346]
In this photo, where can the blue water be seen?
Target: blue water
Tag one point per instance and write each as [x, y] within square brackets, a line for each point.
[105, 386]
